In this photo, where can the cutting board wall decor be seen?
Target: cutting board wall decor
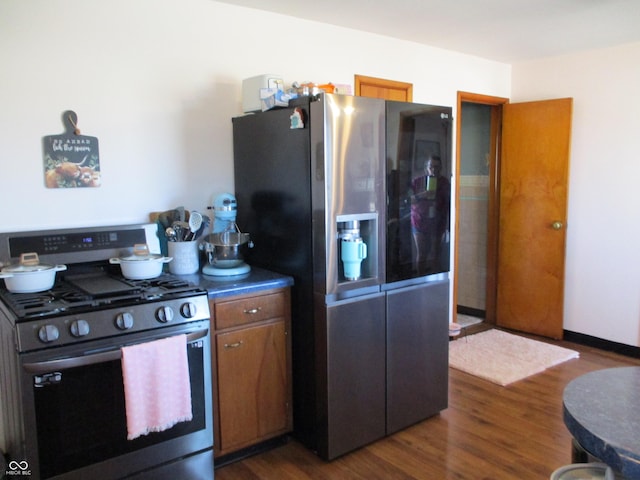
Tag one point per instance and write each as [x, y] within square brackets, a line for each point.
[71, 160]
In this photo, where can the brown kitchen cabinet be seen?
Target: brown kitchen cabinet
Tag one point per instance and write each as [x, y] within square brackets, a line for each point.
[251, 356]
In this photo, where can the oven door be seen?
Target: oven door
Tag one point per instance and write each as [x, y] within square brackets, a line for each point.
[75, 421]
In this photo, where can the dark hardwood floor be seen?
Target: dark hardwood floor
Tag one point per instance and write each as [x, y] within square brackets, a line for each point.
[487, 432]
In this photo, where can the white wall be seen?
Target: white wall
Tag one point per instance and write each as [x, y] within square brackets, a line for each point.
[602, 287]
[157, 82]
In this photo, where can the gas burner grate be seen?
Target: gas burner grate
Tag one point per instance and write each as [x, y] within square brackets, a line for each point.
[65, 291]
[166, 284]
[34, 301]
[165, 281]
[32, 304]
[173, 283]
[62, 297]
[73, 296]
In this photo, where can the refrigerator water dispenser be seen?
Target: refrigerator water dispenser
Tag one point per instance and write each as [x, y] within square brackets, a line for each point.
[355, 234]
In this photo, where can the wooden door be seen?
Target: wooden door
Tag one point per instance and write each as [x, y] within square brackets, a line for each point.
[534, 174]
[382, 88]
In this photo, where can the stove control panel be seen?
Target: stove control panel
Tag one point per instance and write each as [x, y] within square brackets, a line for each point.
[71, 246]
[84, 327]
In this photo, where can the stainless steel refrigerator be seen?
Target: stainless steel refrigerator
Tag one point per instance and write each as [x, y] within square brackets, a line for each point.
[310, 182]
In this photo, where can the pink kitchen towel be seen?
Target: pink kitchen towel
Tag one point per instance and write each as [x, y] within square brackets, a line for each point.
[157, 390]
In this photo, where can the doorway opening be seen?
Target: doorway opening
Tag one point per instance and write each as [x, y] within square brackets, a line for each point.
[476, 221]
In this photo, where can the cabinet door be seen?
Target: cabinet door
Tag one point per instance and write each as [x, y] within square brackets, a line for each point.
[252, 384]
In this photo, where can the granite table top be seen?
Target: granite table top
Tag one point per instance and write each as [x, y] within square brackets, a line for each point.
[602, 412]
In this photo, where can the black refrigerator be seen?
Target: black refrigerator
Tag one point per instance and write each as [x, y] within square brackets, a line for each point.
[312, 185]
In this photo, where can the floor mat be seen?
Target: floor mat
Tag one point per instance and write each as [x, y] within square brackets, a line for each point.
[504, 358]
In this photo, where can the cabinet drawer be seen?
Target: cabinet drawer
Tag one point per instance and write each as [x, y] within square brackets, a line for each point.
[249, 309]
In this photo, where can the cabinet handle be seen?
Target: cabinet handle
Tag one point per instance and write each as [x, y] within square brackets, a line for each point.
[252, 311]
[233, 345]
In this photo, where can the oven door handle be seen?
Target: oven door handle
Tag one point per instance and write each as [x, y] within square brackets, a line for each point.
[94, 358]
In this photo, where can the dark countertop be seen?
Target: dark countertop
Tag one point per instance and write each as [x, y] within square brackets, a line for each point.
[257, 279]
[602, 412]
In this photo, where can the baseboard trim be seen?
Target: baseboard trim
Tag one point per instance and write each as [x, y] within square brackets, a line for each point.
[251, 450]
[608, 345]
[472, 312]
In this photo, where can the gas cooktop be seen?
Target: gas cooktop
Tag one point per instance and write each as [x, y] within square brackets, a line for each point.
[91, 300]
[90, 291]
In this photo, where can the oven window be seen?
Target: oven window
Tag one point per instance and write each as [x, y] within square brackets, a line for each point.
[81, 417]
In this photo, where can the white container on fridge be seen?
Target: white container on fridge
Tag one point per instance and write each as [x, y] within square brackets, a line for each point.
[251, 90]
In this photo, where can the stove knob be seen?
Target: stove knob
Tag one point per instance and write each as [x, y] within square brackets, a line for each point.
[79, 328]
[164, 314]
[124, 321]
[188, 310]
[48, 333]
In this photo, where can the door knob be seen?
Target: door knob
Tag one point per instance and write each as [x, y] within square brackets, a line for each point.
[557, 225]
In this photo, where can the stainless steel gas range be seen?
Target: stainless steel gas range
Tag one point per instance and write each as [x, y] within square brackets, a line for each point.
[63, 403]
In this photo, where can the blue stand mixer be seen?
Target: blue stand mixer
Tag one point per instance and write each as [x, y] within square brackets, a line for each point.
[223, 246]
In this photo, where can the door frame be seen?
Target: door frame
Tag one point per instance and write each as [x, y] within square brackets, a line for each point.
[493, 203]
[384, 88]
